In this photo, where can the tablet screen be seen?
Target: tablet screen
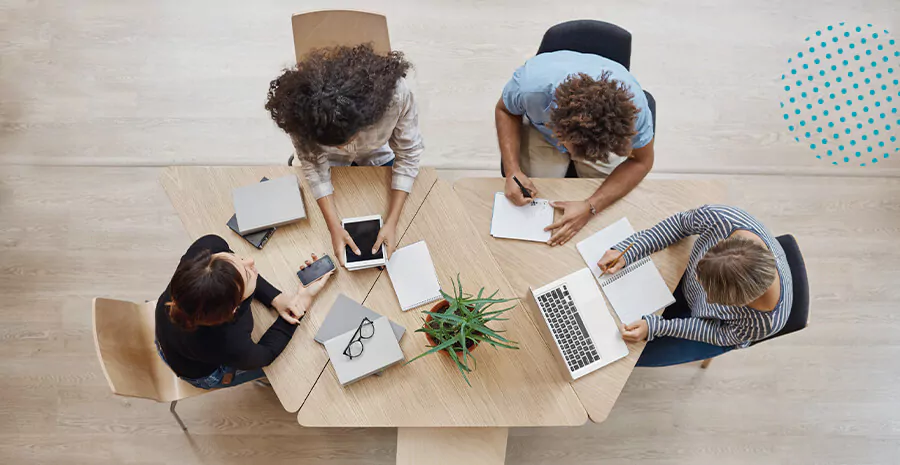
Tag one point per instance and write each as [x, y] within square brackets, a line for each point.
[364, 234]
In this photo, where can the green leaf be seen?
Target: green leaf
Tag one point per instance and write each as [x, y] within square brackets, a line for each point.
[448, 316]
[488, 332]
[462, 342]
[495, 343]
[460, 366]
[434, 349]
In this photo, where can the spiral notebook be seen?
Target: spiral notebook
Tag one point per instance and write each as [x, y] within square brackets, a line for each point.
[636, 290]
[413, 276]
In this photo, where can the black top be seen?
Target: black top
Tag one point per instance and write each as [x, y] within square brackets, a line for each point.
[198, 353]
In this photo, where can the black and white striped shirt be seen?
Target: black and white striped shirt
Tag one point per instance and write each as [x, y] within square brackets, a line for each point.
[721, 325]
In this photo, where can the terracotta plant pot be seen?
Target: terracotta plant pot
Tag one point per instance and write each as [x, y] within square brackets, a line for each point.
[441, 307]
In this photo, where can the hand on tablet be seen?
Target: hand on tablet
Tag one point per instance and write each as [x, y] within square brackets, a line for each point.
[339, 238]
[388, 237]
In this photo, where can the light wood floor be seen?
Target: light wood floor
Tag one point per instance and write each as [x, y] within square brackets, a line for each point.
[94, 99]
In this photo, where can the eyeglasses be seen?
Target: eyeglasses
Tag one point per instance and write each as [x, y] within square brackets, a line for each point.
[365, 330]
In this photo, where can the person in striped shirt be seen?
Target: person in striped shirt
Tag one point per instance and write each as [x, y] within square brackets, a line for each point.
[736, 289]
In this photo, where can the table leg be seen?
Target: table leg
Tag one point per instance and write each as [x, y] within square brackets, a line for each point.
[439, 446]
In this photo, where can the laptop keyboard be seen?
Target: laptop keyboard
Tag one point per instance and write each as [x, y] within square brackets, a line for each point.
[568, 329]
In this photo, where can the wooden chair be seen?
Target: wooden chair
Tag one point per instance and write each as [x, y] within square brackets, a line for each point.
[124, 335]
[799, 316]
[330, 28]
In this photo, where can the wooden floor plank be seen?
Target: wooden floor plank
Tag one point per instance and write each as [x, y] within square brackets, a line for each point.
[174, 83]
[824, 395]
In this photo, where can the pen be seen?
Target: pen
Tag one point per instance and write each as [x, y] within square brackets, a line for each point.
[613, 263]
[525, 191]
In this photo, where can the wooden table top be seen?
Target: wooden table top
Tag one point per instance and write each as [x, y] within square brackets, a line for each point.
[202, 198]
[509, 387]
[525, 387]
[530, 264]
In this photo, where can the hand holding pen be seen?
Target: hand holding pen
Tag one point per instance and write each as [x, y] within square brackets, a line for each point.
[612, 262]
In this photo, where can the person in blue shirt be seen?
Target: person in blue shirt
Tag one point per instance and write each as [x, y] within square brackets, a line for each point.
[568, 106]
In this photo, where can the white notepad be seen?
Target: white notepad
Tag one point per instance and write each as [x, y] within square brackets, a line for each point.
[636, 290]
[526, 223]
[413, 277]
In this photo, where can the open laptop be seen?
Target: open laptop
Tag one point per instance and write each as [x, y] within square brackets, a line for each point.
[585, 333]
[267, 204]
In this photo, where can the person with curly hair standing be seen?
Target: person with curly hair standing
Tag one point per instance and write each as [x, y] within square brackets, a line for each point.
[579, 107]
[349, 106]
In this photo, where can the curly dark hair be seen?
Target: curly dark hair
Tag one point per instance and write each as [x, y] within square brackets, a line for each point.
[596, 116]
[333, 93]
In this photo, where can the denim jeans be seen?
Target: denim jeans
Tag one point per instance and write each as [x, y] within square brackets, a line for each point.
[390, 163]
[217, 379]
[666, 351]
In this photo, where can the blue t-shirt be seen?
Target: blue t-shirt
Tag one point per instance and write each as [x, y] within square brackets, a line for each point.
[532, 90]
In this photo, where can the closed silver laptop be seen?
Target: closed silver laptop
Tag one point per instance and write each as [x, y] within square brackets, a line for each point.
[267, 204]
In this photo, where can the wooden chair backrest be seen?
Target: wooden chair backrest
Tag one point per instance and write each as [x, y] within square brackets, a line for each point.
[124, 335]
[329, 28]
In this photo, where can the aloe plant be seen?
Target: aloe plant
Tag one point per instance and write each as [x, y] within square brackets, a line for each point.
[465, 322]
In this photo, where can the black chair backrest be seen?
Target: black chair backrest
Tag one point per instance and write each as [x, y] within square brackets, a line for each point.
[799, 316]
[589, 36]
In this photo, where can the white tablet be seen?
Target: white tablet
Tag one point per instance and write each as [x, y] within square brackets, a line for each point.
[364, 230]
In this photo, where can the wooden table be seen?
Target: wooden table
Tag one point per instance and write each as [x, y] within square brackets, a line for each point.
[530, 265]
[440, 418]
[202, 198]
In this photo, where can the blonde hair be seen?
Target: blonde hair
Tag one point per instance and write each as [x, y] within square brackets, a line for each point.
[736, 271]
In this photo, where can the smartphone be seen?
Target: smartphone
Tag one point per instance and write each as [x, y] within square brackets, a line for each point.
[257, 239]
[364, 231]
[313, 272]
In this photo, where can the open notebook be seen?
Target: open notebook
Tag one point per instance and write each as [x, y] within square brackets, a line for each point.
[526, 223]
[413, 277]
[636, 290]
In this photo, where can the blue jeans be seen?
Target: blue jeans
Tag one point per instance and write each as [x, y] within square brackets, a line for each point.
[389, 163]
[666, 351]
[218, 378]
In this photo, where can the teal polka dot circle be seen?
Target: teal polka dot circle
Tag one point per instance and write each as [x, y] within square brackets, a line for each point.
[861, 64]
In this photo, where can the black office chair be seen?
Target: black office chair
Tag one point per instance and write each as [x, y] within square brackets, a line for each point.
[595, 37]
[799, 317]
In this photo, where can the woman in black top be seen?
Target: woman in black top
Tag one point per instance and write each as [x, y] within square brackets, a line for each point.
[203, 318]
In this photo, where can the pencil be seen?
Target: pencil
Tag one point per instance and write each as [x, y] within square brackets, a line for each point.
[614, 262]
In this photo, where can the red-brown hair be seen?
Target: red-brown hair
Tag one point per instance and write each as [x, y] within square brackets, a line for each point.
[205, 291]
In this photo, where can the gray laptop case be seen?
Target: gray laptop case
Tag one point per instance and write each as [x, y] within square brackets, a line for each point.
[266, 204]
[345, 315]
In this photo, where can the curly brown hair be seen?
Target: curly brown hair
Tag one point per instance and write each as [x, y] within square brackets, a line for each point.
[596, 116]
[333, 93]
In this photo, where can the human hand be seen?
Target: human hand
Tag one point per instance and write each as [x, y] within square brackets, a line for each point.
[607, 259]
[308, 294]
[575, 215]
[292, 307]
[514, 193]
[339, 238]
[287, 309]
[386, 236]
[635, 332]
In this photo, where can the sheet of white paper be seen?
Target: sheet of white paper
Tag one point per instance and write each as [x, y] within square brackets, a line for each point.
[413, 276]
[526, 223]
[636, 290]
[593, 248]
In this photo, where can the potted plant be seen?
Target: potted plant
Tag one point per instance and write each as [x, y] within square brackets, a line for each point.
[457, 324]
